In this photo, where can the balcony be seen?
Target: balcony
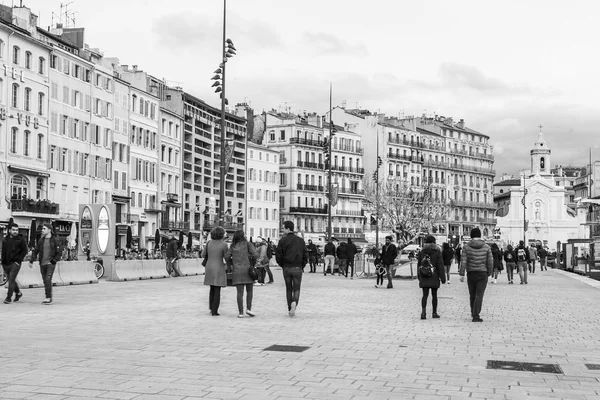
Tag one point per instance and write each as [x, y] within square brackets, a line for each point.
[307, 142]
[228, 226]
[308, 210]
[311, 165]
[353, 213]
[344, 190]
[593, 217]
[399, 157]
[348, 149]
[34, 206]
[474, 204]
[152, 207]
[311, 188]
[173, 225]
[352, 170]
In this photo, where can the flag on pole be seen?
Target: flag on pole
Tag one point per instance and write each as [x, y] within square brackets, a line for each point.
[334, 195]
[228, 156]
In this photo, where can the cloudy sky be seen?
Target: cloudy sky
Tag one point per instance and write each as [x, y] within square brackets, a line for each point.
[505, 67]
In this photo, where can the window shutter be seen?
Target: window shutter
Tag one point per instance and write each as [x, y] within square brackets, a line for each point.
[69, 155]
[88, 102]
[93, 133]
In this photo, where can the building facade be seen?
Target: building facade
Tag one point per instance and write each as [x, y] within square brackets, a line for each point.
[262, 205]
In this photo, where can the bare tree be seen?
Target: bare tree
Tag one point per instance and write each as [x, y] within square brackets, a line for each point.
[409, 211]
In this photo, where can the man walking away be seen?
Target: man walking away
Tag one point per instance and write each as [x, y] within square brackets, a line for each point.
[447, 255]
[351, 251]
[312, 256]
[172, 256]
[388, 256]
[329, 253]
[292, 255]
[49, 255]
[342, 256]
[522, 261]
[476, 259]
[543, 254]
[14, 251]
[533, 254]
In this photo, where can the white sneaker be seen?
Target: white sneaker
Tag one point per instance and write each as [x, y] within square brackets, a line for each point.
[293, 309]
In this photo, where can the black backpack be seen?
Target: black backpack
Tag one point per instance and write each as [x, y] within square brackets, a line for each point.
[426, 268]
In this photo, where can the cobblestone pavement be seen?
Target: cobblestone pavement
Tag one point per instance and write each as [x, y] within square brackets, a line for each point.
[157, 340]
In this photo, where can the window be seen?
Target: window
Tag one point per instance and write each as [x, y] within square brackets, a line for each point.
[13, 140]
[19, 187]
[132, 199]
[1, 49]
[39, 188]
[15, 95]
[16, 54]
[28, 58]
[124, 181]
[41, 101]
[116, 180]
[26, 140]
[40, 146]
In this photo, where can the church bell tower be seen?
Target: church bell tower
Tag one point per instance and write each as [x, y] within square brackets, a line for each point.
[540, 156]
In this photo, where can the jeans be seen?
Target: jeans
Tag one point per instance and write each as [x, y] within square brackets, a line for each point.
[240, 296]
[268, 271]
[350, 265]
[389, 269]
[214, 298]
[329, 262]
[173, 267]
[447, 270]
[522, 271]
[293, 280]
[342, 268]
[261, 274]
[532, 266]
[11, 271]
[510, 268]
[312, 262]
[477, 282]
[47, 272]
[543, 266]
[434, 298]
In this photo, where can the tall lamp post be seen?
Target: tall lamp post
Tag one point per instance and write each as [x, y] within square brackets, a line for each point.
[327, 145]
[228, 52]
[524, 212]
[376, 180]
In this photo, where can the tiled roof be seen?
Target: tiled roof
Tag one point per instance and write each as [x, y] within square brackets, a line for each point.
[509, 182]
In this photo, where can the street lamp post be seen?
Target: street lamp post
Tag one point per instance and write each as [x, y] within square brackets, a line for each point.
[376, 179]
[228, 51]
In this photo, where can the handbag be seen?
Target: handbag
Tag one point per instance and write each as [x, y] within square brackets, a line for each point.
[252, 272]
[204, 262]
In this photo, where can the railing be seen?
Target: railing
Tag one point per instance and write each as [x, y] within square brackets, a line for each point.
[348, 169]
[349, 149]
[152, 206]
[228, 226]
[312, 188]
[35, 206]
[173, 225]
[351, 191]
[399, 157]
[308, 164]
[355, 213]
[475, 204]
[310, 210]
[306, 142]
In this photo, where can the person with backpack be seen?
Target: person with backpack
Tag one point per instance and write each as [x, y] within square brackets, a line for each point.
[447, 255]
[478, 261]
[543, 254]
[510, 260]
[389, 252]
[497, 255]
[522, 261]
[430, 271]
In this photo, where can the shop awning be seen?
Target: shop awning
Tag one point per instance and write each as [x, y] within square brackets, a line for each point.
[28, 171]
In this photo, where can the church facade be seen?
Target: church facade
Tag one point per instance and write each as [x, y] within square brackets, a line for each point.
[536, 202]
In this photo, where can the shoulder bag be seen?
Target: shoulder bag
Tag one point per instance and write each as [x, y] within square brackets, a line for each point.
[252, 272]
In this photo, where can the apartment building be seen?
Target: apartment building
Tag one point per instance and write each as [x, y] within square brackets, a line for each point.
[262, 205]
[170, 168]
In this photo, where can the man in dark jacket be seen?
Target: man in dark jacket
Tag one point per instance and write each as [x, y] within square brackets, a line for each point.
[351, 251]
[172, 255]
[292, 256]
[49, 254]
[477, 260]
[389, 252]
[312, 256]
[329, 254]
[523, 261]
[342, 256]
[14, 251]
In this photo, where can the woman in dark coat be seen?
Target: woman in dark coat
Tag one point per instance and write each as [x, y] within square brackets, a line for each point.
[497, 257]
[239, 257]
[431, 282]
[215, 275]
[447, 255]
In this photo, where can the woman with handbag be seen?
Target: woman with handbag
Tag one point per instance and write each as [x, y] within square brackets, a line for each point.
[215, 275]
[430, 270]
[241, 257]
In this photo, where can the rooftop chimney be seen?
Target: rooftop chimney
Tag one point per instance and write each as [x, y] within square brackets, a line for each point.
[461, 124]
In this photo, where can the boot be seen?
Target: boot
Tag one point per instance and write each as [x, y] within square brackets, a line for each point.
[435, 314]
[423, 314]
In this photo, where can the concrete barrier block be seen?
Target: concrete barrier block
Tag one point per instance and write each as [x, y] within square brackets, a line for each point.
[126, 270]
[154, 269]
[191, 266]
[76, 272]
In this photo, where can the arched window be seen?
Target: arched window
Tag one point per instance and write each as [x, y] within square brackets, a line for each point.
[542, 162]
[133, 101]
[41, 101]
[15, 95]
[28, 58]
[42, 65]
[40, 146]
[16, 54]
[14, 137]
[27, 99]
[19, 187]
[140, 204]
[39, 188]
[26, 140]
[132, 199]
[1, 49]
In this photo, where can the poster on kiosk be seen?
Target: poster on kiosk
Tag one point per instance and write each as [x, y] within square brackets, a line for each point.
[97, 224]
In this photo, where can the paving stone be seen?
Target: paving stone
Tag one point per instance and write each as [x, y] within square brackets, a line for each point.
[155, 339]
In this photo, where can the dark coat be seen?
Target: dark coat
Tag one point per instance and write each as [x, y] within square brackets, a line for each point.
[447, 255]
[510, 257]
[291, 251]
[435, 255]
[38, 252]
[329, 249]
[497, 256]
[389, 252]
[14, 250]
[312, 250]
[172, 247]
[351, 250]
[342, 251]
